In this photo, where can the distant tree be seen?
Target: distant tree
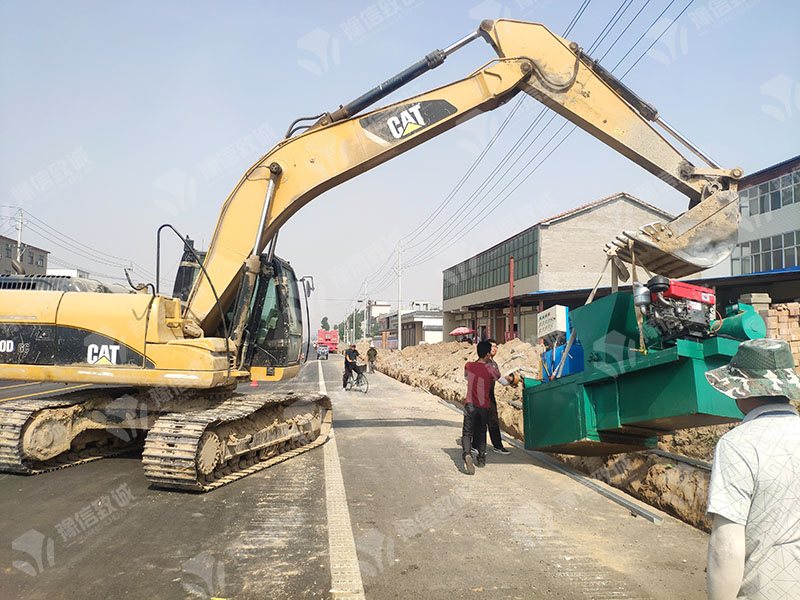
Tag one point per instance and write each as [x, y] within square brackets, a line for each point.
[325, 325]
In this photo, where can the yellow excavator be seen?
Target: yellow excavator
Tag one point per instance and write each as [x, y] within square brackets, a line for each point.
[167, 369]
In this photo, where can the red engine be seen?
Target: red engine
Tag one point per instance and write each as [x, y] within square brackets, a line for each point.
[676, 308]
[678, 290]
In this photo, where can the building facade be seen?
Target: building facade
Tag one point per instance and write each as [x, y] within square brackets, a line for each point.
[564, 252]
[34, 259]
[769, 232]
[418, 327]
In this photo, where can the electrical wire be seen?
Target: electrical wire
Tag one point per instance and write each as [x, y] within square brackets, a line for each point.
[79, 247]
[471, 208]
[376, 276]
[667, 28]
[430, 253]
[641, 37]
[524, 174]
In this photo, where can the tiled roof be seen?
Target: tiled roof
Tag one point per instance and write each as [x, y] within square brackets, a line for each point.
[616, 196]
[572, 212]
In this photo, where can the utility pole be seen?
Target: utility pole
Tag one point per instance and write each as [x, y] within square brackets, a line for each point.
[399, 297]
[19, 236]
[366, 306]
[510, 298]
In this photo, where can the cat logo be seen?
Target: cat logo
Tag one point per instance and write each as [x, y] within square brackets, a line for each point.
[406, 123]
[101, 354]
[391, 125]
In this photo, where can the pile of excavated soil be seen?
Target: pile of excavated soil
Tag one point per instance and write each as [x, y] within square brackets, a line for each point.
[675, 487]
[439, 369]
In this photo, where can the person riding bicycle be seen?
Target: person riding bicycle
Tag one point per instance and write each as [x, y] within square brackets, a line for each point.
[350, 364]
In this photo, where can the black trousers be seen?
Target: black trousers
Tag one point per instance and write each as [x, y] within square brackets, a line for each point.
[493, 422]
[348, 368]
[473, 432]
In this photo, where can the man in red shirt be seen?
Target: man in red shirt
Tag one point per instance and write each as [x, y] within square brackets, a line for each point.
[480, 376]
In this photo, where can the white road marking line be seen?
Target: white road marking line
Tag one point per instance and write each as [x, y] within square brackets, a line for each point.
[322, 388]
[346, 581]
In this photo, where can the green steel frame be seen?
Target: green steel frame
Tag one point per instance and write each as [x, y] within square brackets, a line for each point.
[625, 398]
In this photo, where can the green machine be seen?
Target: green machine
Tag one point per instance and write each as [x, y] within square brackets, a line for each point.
[639, 383]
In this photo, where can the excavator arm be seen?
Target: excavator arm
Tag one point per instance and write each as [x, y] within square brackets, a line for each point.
[152, 340]
[300, 168]
[344, 143]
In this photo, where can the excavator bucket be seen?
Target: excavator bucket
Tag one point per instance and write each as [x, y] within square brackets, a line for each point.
[700, 238]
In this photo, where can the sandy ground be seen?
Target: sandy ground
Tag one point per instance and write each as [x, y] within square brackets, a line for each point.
[675, 487]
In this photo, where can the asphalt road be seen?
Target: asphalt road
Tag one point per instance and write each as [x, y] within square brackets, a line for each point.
[419, 526]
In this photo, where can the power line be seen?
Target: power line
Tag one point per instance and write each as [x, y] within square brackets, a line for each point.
[621, 10]
[376, 276]
[79, 247]
[527, 174]
[577, 17]
[598, 41]
[471, 204]
[621, 33]
[431, 253]
[667, 28]
[641, 37]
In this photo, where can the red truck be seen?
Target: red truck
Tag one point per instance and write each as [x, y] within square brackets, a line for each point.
[328, 338]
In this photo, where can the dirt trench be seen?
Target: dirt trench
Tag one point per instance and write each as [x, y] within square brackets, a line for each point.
[675, 487]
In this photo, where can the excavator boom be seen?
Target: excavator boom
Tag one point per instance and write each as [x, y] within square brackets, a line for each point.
[342, 144]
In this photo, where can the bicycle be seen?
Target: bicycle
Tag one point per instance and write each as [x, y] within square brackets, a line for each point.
[358, 382]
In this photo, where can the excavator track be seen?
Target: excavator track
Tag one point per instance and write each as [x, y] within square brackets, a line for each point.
[13, 417]
[173, 449]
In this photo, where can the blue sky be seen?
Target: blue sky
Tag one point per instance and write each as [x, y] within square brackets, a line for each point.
[117, 117]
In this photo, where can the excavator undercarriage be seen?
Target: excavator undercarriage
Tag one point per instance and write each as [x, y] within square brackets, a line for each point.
[192, 440]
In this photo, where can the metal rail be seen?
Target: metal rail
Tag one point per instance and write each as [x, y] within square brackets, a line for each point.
[700, 464]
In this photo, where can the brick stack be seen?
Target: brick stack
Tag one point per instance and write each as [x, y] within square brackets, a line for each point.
[783, 321]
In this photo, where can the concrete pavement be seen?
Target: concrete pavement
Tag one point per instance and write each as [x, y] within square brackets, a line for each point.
[419, 525]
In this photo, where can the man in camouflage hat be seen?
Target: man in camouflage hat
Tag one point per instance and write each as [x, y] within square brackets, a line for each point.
[754, 550]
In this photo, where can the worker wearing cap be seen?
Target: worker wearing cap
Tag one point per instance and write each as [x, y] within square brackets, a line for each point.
[372, 356]
[754, 550]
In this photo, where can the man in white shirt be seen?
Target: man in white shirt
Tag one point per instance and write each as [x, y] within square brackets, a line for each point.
[754, 550]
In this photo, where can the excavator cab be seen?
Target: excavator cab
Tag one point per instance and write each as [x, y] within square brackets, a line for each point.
[273, 337]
